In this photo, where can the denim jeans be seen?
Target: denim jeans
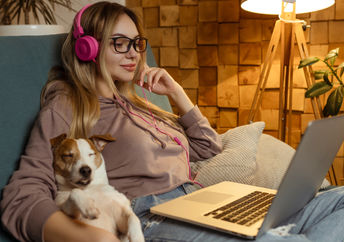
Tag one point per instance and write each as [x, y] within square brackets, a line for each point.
[322, 219]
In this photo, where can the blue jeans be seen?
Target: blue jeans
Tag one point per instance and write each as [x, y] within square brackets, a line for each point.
[320, 220]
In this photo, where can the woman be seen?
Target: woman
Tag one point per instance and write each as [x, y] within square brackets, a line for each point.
[149, 160]
[97, 97]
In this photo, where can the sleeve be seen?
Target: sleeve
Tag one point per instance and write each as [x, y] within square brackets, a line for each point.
[28, 199]
[204, 141]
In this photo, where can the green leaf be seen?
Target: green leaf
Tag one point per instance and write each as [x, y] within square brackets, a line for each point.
[334, 102]
[317, 89]
[326, 78]
[332, 56]
[341, 68]
[319, 74]
[308, 61]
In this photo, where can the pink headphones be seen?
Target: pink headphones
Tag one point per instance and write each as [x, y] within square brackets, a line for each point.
[86, 47]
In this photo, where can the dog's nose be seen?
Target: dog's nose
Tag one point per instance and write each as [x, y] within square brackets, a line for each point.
[85, 171]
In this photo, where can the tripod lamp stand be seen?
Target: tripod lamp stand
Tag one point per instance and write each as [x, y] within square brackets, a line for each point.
[288, 32]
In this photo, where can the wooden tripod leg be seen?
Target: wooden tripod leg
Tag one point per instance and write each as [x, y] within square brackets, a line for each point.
[300, 39]
[286, 82]
[290, 80]
[282, 87]
[276, 35]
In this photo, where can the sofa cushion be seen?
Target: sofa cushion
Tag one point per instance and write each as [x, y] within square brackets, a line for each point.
[237, 161]
[24, 69]
[273, 159]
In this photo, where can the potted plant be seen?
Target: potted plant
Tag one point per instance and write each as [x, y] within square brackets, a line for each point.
[331, 79]
[17, 11]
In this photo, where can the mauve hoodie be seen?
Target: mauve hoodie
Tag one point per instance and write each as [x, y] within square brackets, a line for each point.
[140, 162]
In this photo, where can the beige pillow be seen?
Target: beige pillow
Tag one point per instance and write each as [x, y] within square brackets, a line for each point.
[237, 161]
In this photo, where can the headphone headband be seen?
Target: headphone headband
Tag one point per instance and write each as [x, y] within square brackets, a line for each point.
[78, 30]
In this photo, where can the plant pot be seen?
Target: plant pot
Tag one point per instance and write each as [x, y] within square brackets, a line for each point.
[22, 30]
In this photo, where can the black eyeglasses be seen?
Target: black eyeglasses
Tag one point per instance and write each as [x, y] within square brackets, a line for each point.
[123, 44]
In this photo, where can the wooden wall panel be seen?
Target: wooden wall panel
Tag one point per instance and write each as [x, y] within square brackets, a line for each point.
[228, 33]
[188, 15]
[188, 58]
[250, 54]
[228, 54]
[227, 87]
[169, 56]
[207, 11]
[169, 15]
[216, 51]
[187, 37]
[151, 16]
[207, 55]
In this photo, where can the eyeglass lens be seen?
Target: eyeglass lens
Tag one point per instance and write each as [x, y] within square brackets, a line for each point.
[123, 44]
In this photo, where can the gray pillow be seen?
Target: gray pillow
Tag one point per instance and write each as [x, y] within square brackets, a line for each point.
[237, 161]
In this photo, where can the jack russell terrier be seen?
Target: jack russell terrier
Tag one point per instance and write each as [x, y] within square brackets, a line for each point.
[84, 192]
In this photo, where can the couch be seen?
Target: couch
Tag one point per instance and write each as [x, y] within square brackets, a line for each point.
[248, 157]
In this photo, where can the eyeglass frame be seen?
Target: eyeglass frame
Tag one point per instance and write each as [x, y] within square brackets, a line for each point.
[131, 43]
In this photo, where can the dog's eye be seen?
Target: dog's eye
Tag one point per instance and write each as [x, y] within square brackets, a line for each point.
[64, 156]
[91, 154]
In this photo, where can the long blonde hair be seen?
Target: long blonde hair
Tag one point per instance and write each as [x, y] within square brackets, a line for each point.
[98, 20]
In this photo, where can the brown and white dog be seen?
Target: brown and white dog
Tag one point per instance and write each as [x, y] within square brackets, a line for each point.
[84, 191]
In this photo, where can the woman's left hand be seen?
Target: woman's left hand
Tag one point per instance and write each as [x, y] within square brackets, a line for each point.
[158, 81]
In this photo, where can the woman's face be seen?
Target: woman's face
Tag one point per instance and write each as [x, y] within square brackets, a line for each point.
[122, 66]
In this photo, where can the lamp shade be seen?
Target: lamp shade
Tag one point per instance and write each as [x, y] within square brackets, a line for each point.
[275, 6]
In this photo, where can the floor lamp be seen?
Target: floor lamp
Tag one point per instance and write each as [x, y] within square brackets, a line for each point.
[287, 33]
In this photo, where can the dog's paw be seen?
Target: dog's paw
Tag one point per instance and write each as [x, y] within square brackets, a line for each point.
[90, 211]
[85, 204]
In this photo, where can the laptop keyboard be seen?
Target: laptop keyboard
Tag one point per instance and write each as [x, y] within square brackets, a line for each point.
[246, 210]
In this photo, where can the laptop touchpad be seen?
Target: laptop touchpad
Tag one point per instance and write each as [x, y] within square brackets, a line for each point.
[208, 197]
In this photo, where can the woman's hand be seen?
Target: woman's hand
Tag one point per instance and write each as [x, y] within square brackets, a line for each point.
[160, 82]
[60, 227]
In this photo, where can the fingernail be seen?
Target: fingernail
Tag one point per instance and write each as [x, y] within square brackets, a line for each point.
[150, 89]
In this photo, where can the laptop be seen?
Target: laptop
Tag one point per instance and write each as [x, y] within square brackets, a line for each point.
[227, 207]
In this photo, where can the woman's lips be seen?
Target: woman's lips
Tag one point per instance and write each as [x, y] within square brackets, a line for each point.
[129, 67]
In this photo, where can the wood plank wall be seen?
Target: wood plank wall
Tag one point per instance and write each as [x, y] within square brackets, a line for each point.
[215, 50]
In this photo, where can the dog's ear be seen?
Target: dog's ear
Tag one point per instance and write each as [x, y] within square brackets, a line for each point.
[57, 140]
[101, 140]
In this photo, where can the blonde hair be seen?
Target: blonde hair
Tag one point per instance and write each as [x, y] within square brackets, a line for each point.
[98, 20]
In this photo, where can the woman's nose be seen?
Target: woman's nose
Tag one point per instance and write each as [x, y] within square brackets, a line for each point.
[132, 52]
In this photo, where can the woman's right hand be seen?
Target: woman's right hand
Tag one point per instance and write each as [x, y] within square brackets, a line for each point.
[162, 83]
[60, 227]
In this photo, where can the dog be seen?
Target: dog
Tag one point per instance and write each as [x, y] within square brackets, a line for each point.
[83, 190]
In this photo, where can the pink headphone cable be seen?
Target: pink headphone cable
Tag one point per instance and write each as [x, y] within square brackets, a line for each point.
[154, 125]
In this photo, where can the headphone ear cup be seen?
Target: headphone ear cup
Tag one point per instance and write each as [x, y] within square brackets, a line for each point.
[86, 48]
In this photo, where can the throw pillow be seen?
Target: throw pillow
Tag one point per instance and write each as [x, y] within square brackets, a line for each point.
[237, 161]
